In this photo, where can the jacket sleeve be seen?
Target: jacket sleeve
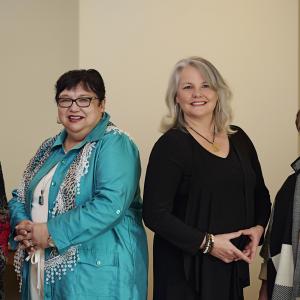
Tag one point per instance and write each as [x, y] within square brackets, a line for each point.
[17, 214]
[164, 174]
[116, 183]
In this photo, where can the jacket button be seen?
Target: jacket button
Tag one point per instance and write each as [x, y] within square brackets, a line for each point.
[118, 212]
[98, 262]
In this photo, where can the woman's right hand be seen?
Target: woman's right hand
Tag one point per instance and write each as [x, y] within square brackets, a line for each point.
[24, 236]
[225, 250]
[20, 228]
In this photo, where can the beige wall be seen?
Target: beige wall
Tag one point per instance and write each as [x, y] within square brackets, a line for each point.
[39, 41]
[135, 44]
[254, 43]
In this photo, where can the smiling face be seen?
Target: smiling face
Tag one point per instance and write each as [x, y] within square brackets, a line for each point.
[79, 121]
[196, 98]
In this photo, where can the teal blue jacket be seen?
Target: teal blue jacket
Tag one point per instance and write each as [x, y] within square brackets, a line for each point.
[106, 222]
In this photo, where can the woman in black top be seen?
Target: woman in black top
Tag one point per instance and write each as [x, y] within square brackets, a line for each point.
[204, 195]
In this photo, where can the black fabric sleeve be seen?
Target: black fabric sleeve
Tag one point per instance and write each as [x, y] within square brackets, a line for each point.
[261, 193]
[3, 200]
[168, 160]
[262, 196]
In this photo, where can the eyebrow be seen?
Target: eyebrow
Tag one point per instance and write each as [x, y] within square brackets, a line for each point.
[81, 95]
[187, 82]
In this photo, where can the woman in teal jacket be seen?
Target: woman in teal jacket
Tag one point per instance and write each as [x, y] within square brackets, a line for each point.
[76, 217]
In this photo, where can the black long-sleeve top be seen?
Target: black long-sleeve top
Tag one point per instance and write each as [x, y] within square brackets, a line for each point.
[178, 198]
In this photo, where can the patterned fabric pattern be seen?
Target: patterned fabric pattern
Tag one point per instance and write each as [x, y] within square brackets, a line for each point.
[116, 130]
[34, 166]
[281, 292]
[66, 197]
[283, 263]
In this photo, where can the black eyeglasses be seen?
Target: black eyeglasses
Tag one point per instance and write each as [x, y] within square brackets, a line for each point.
[81, 101]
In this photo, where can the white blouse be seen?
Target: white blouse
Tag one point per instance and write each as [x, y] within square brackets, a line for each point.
[39, 213]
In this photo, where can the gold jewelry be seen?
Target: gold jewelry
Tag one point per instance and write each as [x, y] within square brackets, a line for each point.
[209, 243]
[214, 146]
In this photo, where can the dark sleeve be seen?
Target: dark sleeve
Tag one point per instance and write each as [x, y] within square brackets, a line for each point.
[262, 196]
[168, 159]
[4, 223]
[3, 200]
[261, 193]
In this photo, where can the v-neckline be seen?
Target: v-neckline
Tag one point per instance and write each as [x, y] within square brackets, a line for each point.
[209, 152]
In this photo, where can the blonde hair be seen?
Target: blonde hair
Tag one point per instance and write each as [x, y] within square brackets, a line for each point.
[222, 112]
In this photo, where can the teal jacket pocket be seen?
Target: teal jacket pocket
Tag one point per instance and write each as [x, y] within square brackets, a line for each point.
[97, 274]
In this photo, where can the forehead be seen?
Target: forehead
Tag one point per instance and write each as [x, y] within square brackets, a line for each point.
[79, 89]
[192, 73]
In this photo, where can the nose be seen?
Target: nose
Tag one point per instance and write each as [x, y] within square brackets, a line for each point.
[197, 93]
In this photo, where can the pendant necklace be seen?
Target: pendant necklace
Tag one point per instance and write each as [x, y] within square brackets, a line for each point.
[41, 196]
[214, 146]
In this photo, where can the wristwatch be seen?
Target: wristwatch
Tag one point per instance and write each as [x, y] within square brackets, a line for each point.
[50, 242]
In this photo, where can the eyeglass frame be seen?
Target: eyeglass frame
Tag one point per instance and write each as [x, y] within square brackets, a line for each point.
[75, 100]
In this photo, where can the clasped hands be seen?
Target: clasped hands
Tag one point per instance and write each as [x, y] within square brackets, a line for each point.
[225, 250]
[32, 236]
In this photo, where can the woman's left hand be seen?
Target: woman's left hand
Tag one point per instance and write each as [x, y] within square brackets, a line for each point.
[254, 234]
[40, 235]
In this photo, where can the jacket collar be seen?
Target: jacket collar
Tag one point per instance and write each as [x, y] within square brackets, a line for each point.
[296, 165]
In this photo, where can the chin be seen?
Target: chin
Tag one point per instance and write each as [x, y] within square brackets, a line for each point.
[74, 129]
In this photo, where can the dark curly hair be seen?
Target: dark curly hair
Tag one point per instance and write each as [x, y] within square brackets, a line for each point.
[90, 80]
